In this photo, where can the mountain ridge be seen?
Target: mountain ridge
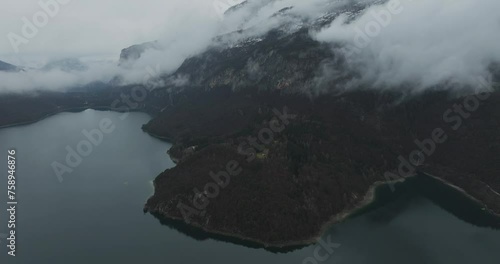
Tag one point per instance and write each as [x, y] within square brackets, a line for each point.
[7, 67]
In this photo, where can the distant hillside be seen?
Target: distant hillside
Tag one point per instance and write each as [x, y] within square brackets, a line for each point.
[8, 67]
[134, 52]
[66, 65]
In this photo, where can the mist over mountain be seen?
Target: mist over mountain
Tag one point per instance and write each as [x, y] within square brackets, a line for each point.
[6, 67]
[66, 65]
[425, 44]
[133, 53]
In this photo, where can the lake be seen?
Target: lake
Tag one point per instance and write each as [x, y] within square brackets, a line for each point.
[94, 215]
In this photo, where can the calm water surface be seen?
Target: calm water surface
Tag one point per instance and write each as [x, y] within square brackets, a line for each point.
[95, 215]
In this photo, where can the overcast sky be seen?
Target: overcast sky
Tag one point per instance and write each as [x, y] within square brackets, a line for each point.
[97, 27]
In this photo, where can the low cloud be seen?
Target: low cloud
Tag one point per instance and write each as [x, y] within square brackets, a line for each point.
[54, 79]
[428, 43]
[184, 29]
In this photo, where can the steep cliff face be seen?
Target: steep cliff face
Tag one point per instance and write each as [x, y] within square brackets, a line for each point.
[133, 53]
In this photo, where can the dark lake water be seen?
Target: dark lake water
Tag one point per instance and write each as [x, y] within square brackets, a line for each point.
[95, 214]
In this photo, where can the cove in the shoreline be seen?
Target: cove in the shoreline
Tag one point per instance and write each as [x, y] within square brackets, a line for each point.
[441, 194]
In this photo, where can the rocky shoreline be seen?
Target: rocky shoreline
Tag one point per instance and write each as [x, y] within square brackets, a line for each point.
[368, 199]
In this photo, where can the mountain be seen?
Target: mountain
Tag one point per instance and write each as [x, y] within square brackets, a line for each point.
[272, 148]
[237, 176]
[286, 58]
[133, 53]
[6, 67]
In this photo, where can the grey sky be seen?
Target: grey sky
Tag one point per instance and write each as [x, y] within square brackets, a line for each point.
[96, 27]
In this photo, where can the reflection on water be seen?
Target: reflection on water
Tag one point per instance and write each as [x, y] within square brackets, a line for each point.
[95, 215]
[440, 194]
